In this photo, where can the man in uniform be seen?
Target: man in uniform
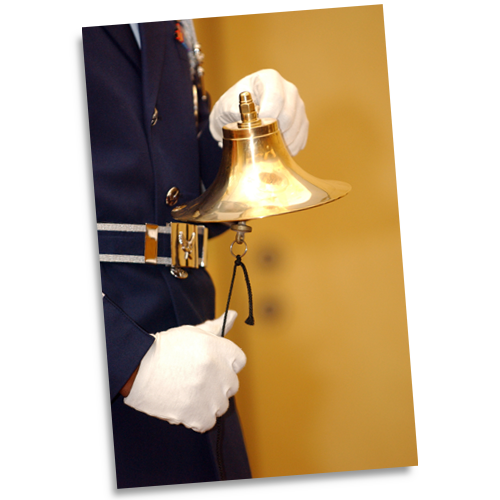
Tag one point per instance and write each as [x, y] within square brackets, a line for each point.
[156, 145]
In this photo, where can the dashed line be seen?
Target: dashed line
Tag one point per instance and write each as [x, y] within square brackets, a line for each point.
[399, 209]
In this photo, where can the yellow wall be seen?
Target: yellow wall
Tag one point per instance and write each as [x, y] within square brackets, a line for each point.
[327, 386]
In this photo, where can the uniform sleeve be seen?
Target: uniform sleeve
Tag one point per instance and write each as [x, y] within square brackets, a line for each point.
[126, 345]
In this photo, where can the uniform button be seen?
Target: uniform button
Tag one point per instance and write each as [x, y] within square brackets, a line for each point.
[154, 118]
[173, 196]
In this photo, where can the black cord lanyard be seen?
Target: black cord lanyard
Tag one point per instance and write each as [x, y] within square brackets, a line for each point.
[250, 320]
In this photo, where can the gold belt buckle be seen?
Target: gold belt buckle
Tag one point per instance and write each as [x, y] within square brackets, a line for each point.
[151, 244]
[184, 247]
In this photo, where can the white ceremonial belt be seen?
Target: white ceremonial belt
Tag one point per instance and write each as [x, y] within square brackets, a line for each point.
[177, 244]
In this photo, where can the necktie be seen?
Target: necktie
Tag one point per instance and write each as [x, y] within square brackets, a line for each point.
[134, 22]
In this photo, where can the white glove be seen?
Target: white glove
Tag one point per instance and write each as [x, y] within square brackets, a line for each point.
[188, 375]
[276, 97]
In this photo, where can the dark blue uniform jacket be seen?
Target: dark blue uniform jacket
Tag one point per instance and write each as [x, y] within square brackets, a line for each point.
[135, 164]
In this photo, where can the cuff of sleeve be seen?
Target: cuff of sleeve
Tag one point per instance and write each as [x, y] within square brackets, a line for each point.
[126, 345]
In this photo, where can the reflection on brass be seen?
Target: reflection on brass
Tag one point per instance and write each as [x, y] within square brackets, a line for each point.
[257, 177]
[241, 228]
[172, 196]
[187, 245]
[178, 272]
[204, 251]
[249, 115]
[184, 245]
[151, 244]
[154, 118]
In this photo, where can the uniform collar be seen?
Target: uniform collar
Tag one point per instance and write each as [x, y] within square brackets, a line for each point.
[148, 59]
[124, 38]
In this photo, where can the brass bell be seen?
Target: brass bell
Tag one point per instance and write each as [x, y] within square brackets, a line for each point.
[257, 177]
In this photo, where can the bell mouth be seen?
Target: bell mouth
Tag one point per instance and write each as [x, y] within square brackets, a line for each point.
[257, 176]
